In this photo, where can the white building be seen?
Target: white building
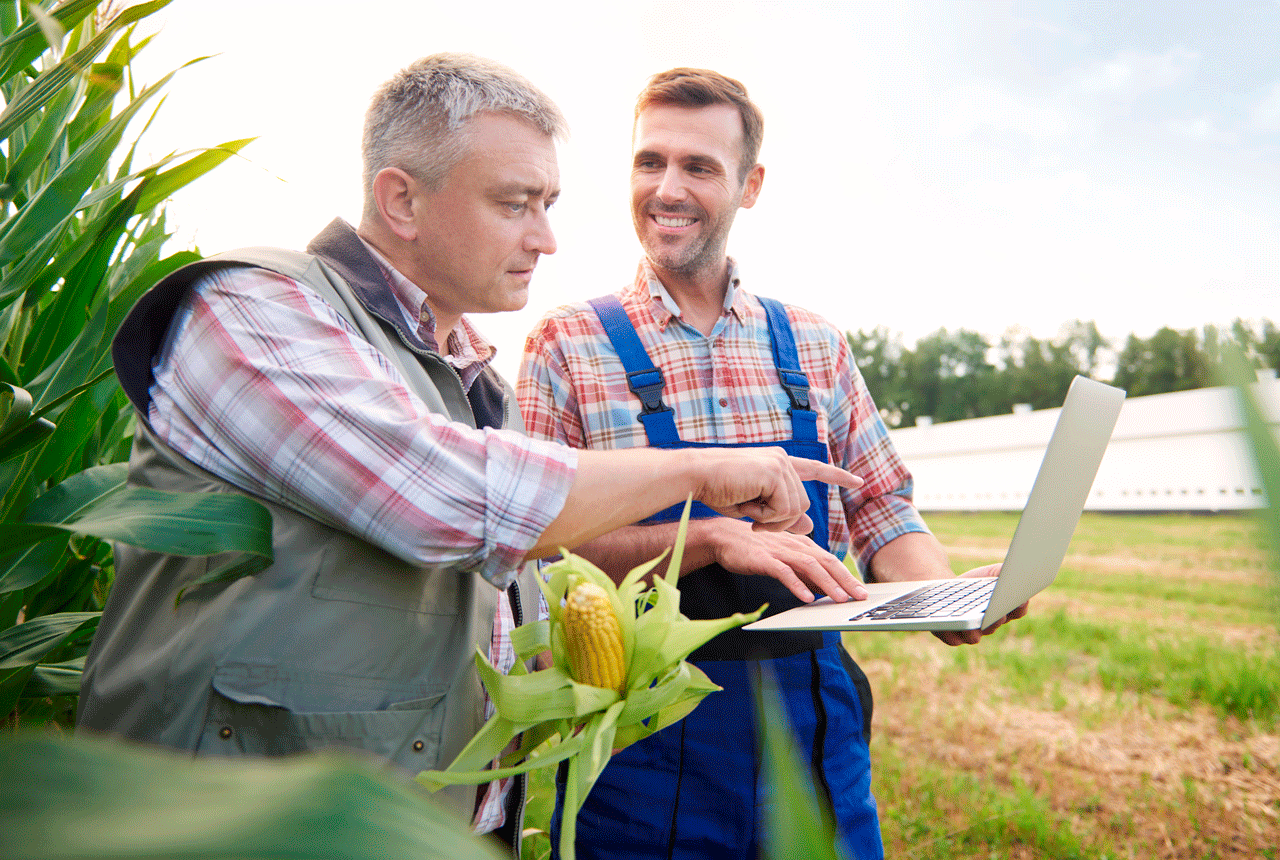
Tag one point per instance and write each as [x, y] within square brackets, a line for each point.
[1179, 451]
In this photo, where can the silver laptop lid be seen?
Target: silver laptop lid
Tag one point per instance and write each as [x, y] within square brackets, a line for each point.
[1057, 498]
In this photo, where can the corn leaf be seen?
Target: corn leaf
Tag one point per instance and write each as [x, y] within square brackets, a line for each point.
[63, 193]
[97, 502]
[104, 798]
[166, 183]
[800, 824]
[25, 645]
[28, 41]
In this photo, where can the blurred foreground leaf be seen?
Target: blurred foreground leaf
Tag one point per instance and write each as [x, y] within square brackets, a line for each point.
[800, 824]
[1266, 453]
[90, 798]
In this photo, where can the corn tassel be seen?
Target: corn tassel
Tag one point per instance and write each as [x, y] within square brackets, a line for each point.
[594, 638]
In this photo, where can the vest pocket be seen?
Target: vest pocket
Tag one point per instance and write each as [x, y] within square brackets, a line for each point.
[261, 722]
[362, 574]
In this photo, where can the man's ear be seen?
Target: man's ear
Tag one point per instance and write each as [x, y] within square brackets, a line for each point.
[751, 188]
[394, 191]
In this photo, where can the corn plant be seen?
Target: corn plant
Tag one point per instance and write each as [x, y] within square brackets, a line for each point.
[81, 233]
[561, 713]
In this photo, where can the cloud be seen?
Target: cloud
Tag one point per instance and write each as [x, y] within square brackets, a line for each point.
[1131, 74]
[971, 107]
[1201, 128]
[1265, 113]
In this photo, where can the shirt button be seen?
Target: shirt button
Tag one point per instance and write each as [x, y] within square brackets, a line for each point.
[724, 402]
[418, 746]
[224, 732]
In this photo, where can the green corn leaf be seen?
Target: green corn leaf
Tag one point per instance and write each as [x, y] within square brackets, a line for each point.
[530, 640]
[62, 194]
[36, 150]
[15, 408]
[55, 679]
[800, 824]
[25, 438]
[1266, 453]
[166, 183]
[39, 92]
[104, 798]
[61, 321]
[24, 646]
[19, 429]
[97, 502]
[28, 41]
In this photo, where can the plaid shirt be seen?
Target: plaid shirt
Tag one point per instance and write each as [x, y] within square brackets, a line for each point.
[723, 388]
[259, 382]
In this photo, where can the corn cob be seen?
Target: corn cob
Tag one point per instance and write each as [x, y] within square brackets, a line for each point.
[594, 638]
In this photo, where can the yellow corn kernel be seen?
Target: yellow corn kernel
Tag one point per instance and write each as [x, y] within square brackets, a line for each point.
[594, 638]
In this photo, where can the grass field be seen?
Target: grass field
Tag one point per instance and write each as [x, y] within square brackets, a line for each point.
[1133, 714]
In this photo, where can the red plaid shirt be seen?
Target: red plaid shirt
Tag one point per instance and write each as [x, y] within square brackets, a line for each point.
[723, 388]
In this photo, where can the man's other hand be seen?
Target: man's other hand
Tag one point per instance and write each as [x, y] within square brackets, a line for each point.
[792, 559]
[973, 637]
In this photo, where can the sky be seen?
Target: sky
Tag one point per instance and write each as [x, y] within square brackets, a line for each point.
[979, 165]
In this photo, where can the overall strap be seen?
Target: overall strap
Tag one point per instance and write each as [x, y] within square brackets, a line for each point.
[644, 380]
[804, 421]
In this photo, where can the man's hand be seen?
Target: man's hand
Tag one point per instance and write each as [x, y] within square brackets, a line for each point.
[918, 555]
[764, 484]
[616, 488]
[972, 637]
[792, 559]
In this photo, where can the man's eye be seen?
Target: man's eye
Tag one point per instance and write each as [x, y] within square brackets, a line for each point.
[516, 207]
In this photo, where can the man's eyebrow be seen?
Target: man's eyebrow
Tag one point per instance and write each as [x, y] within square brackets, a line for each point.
[521, 188]
[696, 158]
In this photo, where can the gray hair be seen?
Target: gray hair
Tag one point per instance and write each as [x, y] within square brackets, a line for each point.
[417, 121]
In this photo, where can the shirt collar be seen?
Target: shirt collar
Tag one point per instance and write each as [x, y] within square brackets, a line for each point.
[646, 280]
[468, 350]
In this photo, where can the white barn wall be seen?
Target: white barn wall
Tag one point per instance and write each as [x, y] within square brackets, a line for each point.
[1179, 451]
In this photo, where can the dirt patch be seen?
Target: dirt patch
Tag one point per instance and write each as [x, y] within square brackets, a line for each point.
[1144, 777]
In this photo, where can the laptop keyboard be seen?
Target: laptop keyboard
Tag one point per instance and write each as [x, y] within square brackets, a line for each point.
[943, 600]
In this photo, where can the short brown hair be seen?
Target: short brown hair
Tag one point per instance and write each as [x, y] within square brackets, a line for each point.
[686, 87]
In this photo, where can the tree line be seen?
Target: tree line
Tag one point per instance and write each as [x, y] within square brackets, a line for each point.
[952, 375]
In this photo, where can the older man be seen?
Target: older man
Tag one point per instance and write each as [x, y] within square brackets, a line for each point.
[685, 358]
[346, 389]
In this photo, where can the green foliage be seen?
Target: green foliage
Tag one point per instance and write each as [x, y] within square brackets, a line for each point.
[953, 375]
[86, 799]
[81, 231]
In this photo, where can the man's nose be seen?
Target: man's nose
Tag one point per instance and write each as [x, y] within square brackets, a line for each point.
[671, 188]
[541, 238]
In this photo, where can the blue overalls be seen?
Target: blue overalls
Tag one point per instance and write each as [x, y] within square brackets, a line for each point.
[695, 788]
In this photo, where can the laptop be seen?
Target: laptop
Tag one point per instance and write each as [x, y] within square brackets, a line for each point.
[1039, 543]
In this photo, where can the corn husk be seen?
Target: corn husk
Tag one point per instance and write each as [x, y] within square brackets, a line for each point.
[560, 719]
